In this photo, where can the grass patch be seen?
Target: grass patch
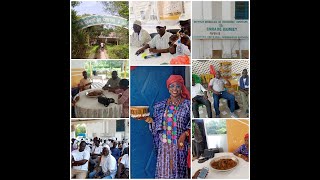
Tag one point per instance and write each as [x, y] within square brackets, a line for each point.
[118, 51]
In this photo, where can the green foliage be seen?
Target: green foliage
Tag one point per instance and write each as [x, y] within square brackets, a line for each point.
[193, 123]
[94, 31]
[118, 51]
[79, 37]
[122, 74]
[214, 127]
[117, 8]
[80, 129]
[75, 3]
[123, 35]
[94, 49]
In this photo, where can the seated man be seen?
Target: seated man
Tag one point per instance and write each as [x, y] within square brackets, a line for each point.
[217, 85]
[95, 153]
[84, 82]
[123, 170]
[199, 96]
[185, 26]
[243, 150]
[159, 43]
[112, 83]
[79, 162]
[179, 45]
[123, 97]
[107, 168]
[139, 37]
[115, 152]
[244, 90]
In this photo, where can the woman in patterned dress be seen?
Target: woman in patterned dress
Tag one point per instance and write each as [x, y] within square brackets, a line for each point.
[243, 150]
[170, 127]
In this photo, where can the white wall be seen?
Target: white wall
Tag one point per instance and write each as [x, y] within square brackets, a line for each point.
[218, 141]
[73, 134]
[105, 128]
[217, 10]
[225, 10]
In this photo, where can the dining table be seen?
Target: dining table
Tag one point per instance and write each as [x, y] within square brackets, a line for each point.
[89, 107]
[241, 171]
[139, 60]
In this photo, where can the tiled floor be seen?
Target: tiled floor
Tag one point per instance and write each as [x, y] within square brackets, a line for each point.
[223, 107]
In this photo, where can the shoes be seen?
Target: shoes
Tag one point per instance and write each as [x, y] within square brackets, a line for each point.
[218, 116]
[233, 115]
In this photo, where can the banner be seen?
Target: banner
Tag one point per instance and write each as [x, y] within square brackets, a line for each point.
[220, 29]
[98, 20]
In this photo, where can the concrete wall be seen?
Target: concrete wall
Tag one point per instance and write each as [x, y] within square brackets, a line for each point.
[105, 128]
[213, 10]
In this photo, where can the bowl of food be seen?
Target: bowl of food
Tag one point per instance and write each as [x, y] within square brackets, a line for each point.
[94, 93]
[139, 112]
[224, 163]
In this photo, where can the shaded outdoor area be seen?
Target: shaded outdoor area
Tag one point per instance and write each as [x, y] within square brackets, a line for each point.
[99, 30]
[99, 71]
[100, 142]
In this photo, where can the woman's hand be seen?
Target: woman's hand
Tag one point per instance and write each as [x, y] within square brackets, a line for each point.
[149, 120]
[243, 157]
[181, 140]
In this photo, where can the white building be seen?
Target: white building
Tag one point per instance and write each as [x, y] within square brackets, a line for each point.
[104, 129]
[220, 29]
[154, 13]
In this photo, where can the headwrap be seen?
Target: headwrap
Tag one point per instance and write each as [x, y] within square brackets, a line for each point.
[106, 146]
[246, 136]
[177, 78]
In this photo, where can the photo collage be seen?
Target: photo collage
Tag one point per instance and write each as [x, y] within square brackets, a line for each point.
[159, 89]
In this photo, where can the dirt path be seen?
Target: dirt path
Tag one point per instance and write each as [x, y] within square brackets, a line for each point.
[103, 54]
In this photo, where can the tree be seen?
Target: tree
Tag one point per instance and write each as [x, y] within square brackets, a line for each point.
[75, 3]
[117, 8]
[80, 129]
[79, 37]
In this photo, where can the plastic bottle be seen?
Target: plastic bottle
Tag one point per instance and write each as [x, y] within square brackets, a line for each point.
[179, 48]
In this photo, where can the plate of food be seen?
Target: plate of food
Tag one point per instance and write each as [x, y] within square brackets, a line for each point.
[94, 94]
[224, 163]
[139, 112]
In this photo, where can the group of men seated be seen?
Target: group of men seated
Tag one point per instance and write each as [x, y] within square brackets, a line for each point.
[100, 160]
[114, 84]
[164, 41]
[218, 89]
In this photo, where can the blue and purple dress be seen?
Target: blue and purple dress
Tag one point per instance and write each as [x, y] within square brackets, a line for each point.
[169, 122]
[243, 150]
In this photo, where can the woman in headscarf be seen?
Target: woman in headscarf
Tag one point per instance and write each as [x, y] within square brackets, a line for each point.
[108, 166]
[243, 150]
[170, 127]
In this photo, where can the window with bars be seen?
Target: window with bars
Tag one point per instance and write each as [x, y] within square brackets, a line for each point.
[241, 10]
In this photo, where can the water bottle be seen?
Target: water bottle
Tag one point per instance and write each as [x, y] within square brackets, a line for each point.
[179, 48]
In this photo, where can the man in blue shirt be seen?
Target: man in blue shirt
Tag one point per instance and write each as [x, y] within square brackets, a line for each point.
[115, 152]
